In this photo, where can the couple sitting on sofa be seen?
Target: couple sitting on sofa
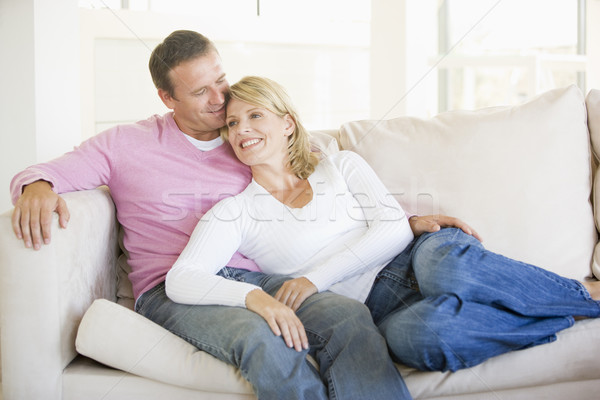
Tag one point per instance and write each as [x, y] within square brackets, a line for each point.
[329, 223]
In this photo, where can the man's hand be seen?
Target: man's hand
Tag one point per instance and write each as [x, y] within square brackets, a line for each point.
[293, 292]
[32, 216]
[281, 319]
[433, 223]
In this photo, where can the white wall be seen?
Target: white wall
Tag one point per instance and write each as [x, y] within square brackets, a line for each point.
[324, 67]
[593, 49]
[39, 108]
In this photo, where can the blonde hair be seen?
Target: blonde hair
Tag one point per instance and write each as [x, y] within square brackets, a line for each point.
[268, 94]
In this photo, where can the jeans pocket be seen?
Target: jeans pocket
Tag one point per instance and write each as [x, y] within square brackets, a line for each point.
[148, 296]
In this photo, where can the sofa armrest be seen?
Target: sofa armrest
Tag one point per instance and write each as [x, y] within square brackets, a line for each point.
[44, 294]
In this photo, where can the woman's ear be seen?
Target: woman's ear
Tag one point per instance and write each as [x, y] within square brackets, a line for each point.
[290, 124]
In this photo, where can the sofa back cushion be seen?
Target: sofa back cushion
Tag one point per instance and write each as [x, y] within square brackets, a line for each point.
[520, 176]
[593, 109]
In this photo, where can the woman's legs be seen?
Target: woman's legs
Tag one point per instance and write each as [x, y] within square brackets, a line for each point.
[476, 304]
[445, 333]
[450, 261]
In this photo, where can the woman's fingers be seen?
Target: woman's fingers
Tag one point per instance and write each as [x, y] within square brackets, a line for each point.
[280, 318]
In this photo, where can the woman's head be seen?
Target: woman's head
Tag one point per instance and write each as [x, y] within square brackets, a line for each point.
[268, 94]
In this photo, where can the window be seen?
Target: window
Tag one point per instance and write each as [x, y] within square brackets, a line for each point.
[502, 52]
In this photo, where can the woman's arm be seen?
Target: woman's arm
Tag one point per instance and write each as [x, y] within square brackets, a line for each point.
[193, 279]
[387, 235]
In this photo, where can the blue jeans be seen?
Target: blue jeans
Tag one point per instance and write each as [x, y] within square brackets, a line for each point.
[351, 353]
[447, 303]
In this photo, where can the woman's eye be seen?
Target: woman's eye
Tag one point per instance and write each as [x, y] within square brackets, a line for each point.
[255, 115]
[231, 124]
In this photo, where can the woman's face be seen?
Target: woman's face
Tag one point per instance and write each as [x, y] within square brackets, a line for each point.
[257, 135]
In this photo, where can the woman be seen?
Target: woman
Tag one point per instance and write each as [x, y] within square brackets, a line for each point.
[441, 300]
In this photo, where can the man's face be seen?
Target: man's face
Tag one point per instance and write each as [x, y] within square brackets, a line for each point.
[199, 96]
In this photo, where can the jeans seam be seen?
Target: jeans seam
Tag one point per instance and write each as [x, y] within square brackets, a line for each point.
[212, 350]
[325, 351]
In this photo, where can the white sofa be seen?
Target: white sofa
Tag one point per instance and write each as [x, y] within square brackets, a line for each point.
[522, 176]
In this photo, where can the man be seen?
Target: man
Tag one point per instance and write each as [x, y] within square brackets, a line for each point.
[164, 174]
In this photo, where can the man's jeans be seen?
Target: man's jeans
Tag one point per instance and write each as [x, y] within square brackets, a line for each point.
[446, 303]
[351, 353]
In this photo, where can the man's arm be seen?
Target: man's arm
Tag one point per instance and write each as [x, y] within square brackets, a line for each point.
[34, 191]
[32, 215]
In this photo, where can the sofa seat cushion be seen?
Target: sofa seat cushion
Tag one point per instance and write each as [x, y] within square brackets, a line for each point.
[122, 339]
[520, 176]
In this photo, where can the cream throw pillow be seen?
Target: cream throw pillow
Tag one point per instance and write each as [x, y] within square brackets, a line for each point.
[123, 339]
[519, 175]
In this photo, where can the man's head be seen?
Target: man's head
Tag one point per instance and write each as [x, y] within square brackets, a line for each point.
[187, 71]
[178, 47]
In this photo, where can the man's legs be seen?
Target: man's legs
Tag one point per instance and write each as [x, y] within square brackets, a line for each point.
[352, 355]
[241, 338]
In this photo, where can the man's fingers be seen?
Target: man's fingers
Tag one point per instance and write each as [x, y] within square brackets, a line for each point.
[476, 235]
[466, 228]
[46, 224]
[63, 213]
[16, 223]
[26, 229]
[36, 230]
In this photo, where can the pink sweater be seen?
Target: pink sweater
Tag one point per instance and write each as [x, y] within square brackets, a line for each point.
[161, 185]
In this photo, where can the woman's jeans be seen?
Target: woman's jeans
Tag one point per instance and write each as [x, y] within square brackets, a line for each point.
[351, 353]
[446, 303]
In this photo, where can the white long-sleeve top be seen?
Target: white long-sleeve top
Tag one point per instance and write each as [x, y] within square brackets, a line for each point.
[339, 241]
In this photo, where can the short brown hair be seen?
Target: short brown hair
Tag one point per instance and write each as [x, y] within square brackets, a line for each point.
[178, 47]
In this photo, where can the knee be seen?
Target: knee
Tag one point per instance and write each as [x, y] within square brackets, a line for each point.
[441, 260]
[426, 337]
[340, 310]
[256, 344]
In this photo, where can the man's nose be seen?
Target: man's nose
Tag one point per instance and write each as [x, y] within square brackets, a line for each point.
[217, 96]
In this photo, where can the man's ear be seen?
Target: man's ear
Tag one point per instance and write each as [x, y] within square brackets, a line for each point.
[166, 98]
[290, 124]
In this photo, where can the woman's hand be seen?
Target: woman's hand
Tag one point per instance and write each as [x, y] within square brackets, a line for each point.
[433, 223]
[293, 292]
[281, 319]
